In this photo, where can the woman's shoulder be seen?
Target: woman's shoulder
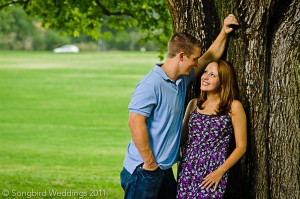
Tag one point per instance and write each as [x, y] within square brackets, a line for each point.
[236, 106]
[193, 102]
[236, 103]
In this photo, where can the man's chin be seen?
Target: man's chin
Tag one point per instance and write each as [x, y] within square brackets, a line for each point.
[188, 72]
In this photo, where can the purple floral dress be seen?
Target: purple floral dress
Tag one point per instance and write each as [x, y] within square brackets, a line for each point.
[206, 150]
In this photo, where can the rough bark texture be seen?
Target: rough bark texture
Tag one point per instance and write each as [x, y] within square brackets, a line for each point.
[265, 53]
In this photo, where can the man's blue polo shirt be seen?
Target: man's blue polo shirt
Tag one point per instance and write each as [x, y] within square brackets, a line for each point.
[161, 100]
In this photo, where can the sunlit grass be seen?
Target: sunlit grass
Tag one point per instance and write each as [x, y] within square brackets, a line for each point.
[63, 120]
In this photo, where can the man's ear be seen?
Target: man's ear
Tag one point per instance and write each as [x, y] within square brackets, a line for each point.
[181, 54]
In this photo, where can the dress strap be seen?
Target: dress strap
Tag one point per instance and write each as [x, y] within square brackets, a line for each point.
[197, 105]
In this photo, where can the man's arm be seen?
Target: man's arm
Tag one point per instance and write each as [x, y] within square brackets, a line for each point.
[216, 50]
[139, 132]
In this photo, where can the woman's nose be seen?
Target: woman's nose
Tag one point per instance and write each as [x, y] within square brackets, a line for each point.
[205, 76]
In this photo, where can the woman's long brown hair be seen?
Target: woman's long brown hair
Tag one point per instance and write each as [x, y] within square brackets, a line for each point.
[228, 90]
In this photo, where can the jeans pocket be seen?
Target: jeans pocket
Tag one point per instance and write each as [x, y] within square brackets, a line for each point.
[124, 177]
[149, 174]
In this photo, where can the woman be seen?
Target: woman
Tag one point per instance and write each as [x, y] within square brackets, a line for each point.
[208, 125]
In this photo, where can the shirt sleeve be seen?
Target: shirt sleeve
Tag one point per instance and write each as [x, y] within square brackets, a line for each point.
[143, 100]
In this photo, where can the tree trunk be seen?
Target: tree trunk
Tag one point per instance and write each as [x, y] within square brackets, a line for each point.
[265, 53]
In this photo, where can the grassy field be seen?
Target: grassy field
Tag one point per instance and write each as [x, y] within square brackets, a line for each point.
[63, 122]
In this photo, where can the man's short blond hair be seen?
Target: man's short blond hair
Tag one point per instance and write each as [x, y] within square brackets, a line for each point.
[182, 42]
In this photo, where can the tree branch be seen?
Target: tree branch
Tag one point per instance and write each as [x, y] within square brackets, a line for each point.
[8, 4]
[14, 2]
[109, 13]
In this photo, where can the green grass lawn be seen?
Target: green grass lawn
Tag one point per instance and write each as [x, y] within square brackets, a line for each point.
[63, 121]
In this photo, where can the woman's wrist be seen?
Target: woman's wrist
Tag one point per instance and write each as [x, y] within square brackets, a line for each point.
[222, 169]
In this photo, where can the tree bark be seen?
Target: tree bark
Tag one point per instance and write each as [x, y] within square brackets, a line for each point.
[265, 53]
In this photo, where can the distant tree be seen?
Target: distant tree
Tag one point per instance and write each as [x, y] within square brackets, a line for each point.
[19, 32]
[15, 31]
[131, 38]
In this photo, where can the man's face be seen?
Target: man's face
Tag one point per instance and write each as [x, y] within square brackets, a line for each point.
[190, 62]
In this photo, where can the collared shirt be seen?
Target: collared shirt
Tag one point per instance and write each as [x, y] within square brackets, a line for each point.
[161, 100]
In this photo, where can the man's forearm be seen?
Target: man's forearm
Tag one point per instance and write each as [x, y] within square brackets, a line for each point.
[215, 51]
[217, 48]
[140, 138]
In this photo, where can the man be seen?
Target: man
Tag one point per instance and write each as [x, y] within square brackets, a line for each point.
[156, 113]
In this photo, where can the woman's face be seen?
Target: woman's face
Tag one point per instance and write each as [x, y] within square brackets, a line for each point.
[210, 80]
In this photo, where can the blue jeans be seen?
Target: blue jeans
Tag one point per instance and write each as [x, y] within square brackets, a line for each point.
[143, 184]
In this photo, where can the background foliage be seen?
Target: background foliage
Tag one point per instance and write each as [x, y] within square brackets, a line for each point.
[114, 22]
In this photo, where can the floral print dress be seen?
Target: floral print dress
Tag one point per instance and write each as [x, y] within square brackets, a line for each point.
[206, 150]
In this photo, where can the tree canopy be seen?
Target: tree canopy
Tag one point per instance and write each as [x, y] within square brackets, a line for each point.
[94, 17]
